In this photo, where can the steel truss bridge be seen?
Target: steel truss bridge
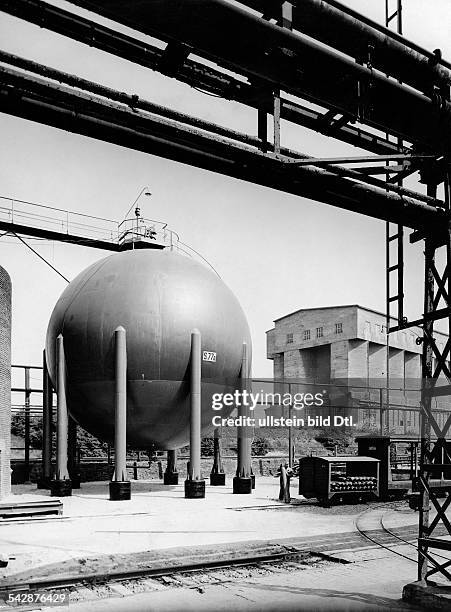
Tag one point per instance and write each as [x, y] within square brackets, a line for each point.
[312, 63]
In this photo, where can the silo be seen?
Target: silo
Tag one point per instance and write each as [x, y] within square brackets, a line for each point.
[5, 383]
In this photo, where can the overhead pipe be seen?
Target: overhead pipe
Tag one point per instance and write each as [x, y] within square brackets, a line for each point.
[138, 103]
[365, 40]
[258, 49]
[33, 99]
[191, 72]
[414, 119]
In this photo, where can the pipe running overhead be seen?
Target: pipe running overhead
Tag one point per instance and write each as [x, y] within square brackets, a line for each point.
[282, 59]
[193, 73]
[82, 113]
[363, 39]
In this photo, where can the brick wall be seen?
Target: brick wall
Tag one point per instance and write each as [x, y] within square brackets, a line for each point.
[5, 383]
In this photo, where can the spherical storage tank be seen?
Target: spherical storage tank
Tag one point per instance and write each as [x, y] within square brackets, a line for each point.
[158, 296]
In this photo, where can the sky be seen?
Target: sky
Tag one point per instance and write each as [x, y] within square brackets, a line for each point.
[277, 252]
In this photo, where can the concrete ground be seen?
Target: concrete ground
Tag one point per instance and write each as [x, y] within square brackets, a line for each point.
[95, 534]
[160, 517]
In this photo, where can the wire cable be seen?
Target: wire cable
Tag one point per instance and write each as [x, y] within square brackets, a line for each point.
[40, 257]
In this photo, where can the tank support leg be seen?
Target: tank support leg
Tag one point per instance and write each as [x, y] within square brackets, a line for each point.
[171, 476]
[242, 483]
[47, 406]
[74, 470]
[120, 487]
[61, 485]
[194, 484]
[217, 475]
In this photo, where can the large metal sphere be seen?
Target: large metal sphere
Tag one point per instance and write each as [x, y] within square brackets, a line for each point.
[159, 297]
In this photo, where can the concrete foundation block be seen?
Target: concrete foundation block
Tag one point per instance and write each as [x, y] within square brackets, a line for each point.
[61, 488]
[428, 597]
[170, 478]
[217, 479]
[242, 485]
[120, 490]
[194, 489]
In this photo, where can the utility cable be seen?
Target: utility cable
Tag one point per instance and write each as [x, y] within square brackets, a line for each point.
[40, 257]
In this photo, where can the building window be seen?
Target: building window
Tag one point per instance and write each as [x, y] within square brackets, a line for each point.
[338, 328]
[289, 338]
[319, 332]
[307, 334]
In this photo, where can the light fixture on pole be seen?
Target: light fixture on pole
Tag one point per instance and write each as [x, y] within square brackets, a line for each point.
[144, 191]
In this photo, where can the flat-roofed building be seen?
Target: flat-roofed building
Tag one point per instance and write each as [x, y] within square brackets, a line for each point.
[337, 343]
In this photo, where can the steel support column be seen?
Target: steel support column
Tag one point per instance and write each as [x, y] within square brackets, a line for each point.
[171, 476]
[242, 483]
[72, 448]
[426, 373]
[27, 425]
[61, 485]
[47, 414]
[217, 474]
[435, 454]
[120, 486]
[194, 484]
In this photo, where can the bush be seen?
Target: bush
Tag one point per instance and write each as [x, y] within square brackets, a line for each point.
[88, 444]
[260, 446]
[207, 447]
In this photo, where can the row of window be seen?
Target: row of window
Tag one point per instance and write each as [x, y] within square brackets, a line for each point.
[319, 333]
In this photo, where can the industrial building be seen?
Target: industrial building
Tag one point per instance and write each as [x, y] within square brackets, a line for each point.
[349, 343]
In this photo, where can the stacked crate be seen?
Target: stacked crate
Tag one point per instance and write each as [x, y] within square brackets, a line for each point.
[339, 478]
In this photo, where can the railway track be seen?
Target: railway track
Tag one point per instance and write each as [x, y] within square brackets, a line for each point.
[377, 534]
[382, 536]
[195, 576]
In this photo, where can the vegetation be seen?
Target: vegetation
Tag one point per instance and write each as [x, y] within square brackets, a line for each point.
[88, 444]
[261, 446]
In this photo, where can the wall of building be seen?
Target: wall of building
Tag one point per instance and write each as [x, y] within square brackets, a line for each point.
[319, 323]
[279, 365]
[339, 355]
[358, 360]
